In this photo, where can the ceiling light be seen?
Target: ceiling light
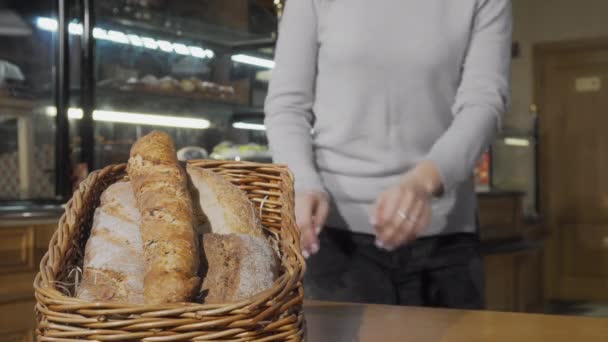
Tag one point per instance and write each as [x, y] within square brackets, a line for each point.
[150, 119]
[135, 40]
[136, 118]
[100, 34]
[73, 113]
[181, 49]
[165, 45]
[197, 51]
[118, 37]
[517, 142]
[46, 24]
[149, 43]
[261, 62]
[49, 24]
[250, 126]
[75, 28]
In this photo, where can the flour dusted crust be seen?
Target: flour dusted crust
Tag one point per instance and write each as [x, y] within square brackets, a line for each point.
[236, 267]
[169, 241]
[113, 269]
[221, 206]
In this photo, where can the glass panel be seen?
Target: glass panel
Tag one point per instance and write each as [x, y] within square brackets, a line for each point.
[514, 168]
[187, 68]
[26, 90]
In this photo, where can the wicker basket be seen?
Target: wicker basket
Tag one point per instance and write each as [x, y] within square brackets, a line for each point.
[274, 315]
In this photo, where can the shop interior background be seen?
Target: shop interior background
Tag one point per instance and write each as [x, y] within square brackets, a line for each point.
[199, 70]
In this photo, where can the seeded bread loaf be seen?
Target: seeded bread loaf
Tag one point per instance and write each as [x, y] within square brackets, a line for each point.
[236, 267]
[169, 240]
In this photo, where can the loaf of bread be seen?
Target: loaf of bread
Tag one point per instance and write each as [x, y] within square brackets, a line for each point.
[236, 267]
[169, 240]
[114, 269]
[220, 206]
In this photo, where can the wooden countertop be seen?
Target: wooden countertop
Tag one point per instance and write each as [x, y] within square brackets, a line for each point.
[363, 323]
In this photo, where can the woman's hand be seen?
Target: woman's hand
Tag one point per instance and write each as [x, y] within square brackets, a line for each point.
[312, 208]
[404, 211]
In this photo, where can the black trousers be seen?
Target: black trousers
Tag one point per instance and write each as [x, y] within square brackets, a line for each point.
[442, 271]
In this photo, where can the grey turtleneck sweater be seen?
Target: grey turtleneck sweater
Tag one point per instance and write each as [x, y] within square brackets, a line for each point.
[363, 90]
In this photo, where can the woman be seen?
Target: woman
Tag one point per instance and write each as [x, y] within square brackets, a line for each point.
[381, 110]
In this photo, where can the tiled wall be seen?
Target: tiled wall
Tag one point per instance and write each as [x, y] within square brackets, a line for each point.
[43, 178]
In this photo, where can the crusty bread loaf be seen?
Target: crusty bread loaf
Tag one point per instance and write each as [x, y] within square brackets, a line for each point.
[220, 206]
[169, 241]
[113, 269]
[236, 267]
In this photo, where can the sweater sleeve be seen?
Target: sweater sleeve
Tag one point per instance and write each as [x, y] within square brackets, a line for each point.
[482, 96]
[288, 106]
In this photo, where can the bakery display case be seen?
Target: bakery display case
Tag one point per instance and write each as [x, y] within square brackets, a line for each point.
[81, 80]
[196, 70]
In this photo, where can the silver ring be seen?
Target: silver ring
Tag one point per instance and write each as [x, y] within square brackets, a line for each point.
[404, 216]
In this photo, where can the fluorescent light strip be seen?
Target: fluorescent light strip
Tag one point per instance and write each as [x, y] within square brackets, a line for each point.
[181, 49]
[517, 142]
[200, 52]
[49, 24]
[75, 29]
[149, 43]
[100, 34]
[46, 24]
[135, 40]
[119, 37]
[250, 126]
[136, 118]
[165, 45]
[261, 62]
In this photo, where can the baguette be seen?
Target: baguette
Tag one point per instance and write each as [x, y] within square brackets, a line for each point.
[169, 241]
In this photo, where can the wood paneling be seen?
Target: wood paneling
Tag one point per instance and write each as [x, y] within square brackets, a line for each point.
[573, 167]
[21, 248]
[500, 282]
[17, 321]
[21, 336]
[16, 250]
[528, 284]
[514, 281]
[500, 216]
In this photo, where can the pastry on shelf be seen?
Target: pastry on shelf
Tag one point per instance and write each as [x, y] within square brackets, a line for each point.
[226, 92]
[188, 85]
[229, 151]
[168, 83]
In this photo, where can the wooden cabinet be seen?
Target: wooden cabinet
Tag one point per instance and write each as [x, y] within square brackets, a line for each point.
[499, 282]
[513, 281]
[21, 248]
[500, 215]
[528, 281]
[17, 323]
[512, 257]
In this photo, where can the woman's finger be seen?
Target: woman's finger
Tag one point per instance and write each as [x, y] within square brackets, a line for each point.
[304, 219]
[387, 205]
[320, 213]
[410, 224]
[402, 222]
